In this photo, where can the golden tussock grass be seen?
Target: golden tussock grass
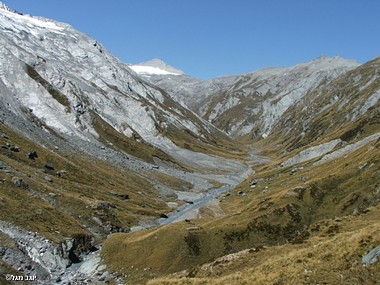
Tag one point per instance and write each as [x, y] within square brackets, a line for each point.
[290, 213]
[61, 208]
[327, 257]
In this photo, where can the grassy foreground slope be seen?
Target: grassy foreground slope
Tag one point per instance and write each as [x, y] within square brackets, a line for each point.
[331, 255]
[288, 220]
[61, 195]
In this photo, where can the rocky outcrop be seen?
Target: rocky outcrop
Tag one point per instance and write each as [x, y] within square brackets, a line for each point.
[33, 254]
[32, 155]
[74, 248]
[104, 215]
[372, 256]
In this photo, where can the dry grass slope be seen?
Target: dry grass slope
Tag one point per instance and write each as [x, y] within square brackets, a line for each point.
[58, 203]
[331, 255]
[289, 210]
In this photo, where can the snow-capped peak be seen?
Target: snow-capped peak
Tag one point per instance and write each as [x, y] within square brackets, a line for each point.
[155, 67]
[6, 8]
[13, 19]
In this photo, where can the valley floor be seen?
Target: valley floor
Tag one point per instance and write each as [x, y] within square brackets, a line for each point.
[312, 222]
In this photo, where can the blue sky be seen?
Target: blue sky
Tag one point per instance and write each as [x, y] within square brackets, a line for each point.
[209, 38]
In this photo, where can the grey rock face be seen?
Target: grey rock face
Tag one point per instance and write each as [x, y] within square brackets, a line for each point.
[372, 256]
[253, 102]
[54, 75]
[33, 254]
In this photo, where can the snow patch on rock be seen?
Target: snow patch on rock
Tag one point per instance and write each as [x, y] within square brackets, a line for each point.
[140, 69]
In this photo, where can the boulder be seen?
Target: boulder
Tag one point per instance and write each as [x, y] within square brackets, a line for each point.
[372, 256]
[80, 108]
[49, 166]
[61, 173]
[124, 196]
[14, 148]
[48, 179]
[4, 135]
[19, 182]
[121, 196]
[32, 155]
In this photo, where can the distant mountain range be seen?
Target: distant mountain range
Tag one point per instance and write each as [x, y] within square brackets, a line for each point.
[242, 104]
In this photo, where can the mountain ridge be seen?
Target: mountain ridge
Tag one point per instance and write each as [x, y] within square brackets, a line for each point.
[217, 98]
[88, 52]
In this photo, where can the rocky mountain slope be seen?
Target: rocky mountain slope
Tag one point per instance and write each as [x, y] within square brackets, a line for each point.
[88, 148]
[107, 176]
[309, 216]
[340, 110]
[253, 103]
[72, 83]
[188, 90]
[320, 124]
[256, 102]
